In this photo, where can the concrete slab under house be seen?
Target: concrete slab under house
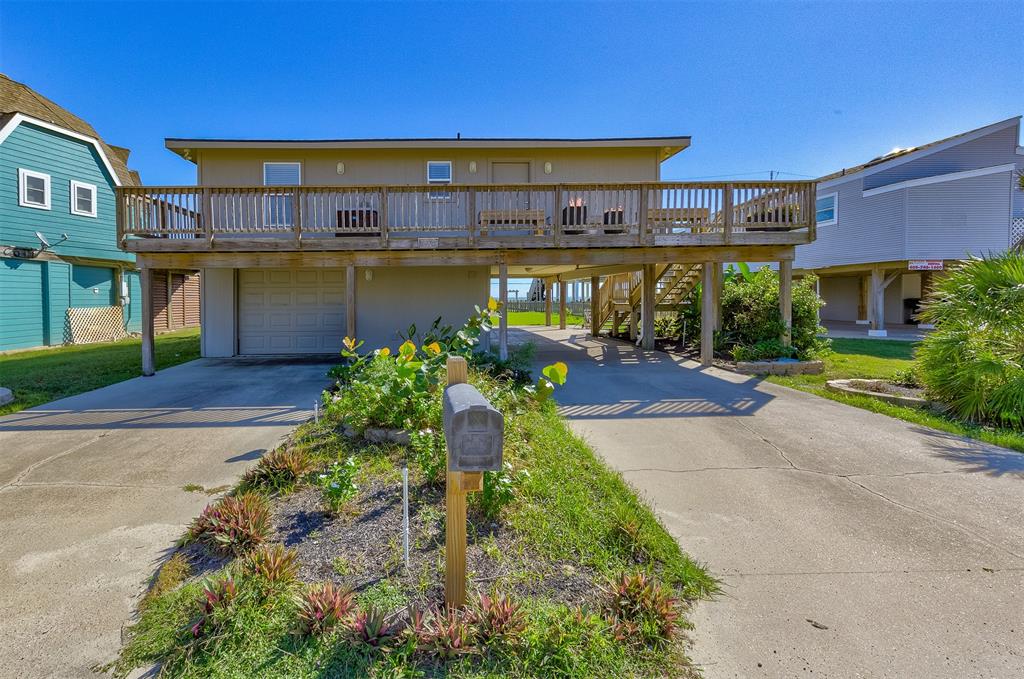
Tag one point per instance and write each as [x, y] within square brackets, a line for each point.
[302, 242]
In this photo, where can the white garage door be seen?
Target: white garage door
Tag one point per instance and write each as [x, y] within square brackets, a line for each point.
[291, 311]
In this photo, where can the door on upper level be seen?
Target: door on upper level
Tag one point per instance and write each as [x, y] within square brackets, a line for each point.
[510, 172]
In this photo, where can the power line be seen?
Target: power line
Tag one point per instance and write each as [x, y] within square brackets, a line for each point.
[741, 175]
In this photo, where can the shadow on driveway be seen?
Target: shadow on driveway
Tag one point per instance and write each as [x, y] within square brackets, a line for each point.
[614, 379]
[976, 456]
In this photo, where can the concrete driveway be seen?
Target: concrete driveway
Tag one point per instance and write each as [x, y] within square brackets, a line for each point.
[92, 498]
[849, 544]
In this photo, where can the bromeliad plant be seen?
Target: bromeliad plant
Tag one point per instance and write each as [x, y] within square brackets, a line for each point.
[216, 599]
[497, 618]
[641, 610]
[275, 565]
[279, 471]
[321, 608]
[370, 629]
[234, 525]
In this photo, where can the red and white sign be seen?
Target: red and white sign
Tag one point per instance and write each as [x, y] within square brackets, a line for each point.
[925, 265]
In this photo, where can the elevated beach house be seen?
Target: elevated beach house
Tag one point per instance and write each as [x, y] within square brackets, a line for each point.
[63, 277]
[303, 242]
[887, 226]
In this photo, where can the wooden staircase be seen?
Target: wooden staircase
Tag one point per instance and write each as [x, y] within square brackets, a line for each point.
[621, 292]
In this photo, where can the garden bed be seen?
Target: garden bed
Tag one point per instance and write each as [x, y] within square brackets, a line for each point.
[882, 390]
[569, 573]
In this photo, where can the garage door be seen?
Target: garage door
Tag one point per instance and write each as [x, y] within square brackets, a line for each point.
[291, 311]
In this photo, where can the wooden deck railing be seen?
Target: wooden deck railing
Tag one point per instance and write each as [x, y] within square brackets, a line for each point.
[522, 215]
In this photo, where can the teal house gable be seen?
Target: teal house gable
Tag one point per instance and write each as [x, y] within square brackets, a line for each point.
[64, 160]
[58, 224]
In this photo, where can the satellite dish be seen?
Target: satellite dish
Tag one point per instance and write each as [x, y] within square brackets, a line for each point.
[42, 239]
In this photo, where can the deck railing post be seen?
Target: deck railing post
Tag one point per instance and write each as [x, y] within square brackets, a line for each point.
[727, 213]
[556, 216]
[645, 238]
[811, 194]
[207, 211]
[382, 215]
[471, 221]
[297, 215]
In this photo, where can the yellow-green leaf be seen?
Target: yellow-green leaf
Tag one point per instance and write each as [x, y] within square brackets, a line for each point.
[556, 372]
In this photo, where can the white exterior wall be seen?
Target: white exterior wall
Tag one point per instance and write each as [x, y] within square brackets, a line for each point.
[945, 220]
[217, 311]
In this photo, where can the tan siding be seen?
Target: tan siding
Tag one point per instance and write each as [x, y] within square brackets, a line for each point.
[234, 167]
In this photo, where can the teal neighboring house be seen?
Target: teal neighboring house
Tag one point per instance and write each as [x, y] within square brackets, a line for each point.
[57, 178]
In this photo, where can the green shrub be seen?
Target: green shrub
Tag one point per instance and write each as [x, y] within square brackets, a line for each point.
[974, 360]
[906, 377]
[765, 350]
[669, 327]
[429, 453]
[751, 317]
[338, 483]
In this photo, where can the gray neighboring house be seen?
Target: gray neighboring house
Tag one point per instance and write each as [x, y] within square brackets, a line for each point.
[887, 226]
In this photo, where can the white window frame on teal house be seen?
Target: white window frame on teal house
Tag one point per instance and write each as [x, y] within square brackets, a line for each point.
[73, 194]
[835, 208]
[432, 179]
[23, 199]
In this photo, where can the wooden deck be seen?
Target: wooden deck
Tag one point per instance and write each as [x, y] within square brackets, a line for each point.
[464, 217]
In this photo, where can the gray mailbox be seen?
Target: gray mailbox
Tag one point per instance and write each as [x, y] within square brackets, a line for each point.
[473, 430]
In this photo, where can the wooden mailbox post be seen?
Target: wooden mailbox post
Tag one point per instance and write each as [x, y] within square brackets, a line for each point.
[474, 433]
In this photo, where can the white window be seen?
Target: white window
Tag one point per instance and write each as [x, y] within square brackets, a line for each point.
[826, 209]
[278, 207]
[439, 172]
[83, 199]
[33, 189]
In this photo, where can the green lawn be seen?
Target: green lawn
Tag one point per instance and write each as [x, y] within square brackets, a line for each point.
[863, 358]
[537, 318]
[45, 375]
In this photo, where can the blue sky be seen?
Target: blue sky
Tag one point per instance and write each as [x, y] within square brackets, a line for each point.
[801, 88]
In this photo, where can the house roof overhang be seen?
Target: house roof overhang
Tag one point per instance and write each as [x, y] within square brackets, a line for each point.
[668, 146]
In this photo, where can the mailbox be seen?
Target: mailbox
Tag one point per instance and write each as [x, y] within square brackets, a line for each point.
[473, 430]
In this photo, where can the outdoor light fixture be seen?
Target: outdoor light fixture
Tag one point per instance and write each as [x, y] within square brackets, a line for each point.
[341, 168]
[472, 167]
[547, 167]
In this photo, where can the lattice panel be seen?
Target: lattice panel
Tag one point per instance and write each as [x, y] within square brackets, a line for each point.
[97, 324]
[1017, 233]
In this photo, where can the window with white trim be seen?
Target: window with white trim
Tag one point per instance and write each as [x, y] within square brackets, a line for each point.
[83, 199]
[826, 209]
[33, 189]
[278, 207]
[439, 172]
